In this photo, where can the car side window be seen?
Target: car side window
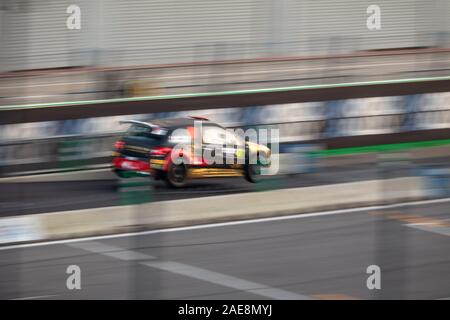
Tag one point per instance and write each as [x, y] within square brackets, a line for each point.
[233, 140]
[214, 135]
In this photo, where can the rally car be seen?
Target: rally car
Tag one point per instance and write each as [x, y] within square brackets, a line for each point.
[179, 149]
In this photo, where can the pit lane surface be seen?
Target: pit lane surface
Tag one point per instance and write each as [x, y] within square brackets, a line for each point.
[40, 197]
[317, 256]
[19, 198]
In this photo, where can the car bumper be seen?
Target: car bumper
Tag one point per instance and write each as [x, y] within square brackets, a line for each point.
[124, 166]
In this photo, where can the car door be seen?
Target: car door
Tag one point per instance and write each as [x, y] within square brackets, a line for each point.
[214, 146]
[234, 151]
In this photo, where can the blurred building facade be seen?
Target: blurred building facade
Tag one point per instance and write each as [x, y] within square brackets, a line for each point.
[33, 33]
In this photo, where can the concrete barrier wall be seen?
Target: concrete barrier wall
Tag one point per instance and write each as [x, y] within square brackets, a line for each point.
[216, 100]
[185, 212]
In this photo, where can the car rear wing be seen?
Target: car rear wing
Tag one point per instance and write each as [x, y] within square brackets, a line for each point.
[145, 124]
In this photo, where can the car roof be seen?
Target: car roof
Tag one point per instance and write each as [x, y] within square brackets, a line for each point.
[173, 123]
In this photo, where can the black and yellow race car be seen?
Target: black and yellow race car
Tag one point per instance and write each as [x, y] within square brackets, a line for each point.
[177, 150]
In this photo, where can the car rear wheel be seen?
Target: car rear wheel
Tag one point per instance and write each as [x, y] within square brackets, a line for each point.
[176, 176]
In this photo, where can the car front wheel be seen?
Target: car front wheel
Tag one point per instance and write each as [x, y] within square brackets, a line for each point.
[252, 173]
[176, 176]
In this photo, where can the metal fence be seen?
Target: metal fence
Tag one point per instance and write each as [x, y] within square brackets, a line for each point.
[360, 122]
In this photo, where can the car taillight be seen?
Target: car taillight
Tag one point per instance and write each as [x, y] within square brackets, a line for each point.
[160, 151]
[119, 145]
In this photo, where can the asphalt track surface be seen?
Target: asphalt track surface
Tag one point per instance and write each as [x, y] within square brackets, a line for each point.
[19, 198]
[317, 256]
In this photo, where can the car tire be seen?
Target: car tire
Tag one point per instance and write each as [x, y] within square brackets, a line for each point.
[176, 176]
[252, 173]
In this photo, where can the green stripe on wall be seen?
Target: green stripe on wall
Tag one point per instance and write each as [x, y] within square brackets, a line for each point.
[394, 147]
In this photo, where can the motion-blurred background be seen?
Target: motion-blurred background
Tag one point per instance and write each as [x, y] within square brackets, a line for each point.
[166, 47]
[363, 113]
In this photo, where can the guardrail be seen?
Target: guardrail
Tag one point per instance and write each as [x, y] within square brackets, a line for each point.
[67, 152]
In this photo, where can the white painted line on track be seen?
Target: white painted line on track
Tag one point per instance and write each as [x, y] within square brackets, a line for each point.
[35, 297]
[37, 176]
[111, 251]
[429, 227]
[226, 280]
[230, 223]
[189, 271]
